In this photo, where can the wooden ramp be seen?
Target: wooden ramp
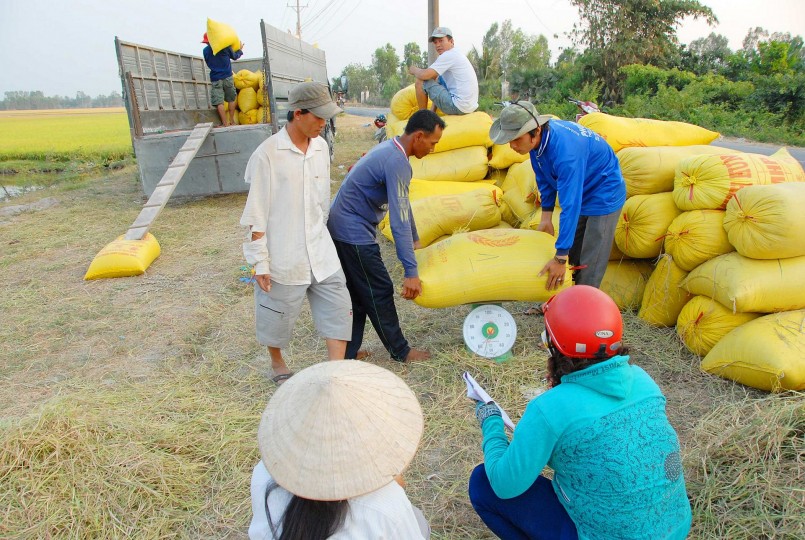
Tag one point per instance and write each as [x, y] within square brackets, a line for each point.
[166, 186]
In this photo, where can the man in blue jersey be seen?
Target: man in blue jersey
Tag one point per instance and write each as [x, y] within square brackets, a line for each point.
[381, 177]
[578, 165]
[223, 84]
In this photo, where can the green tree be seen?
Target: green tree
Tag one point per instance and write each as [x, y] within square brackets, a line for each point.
[617, 33]
[360, 77]
[487, 61]
[412, 56]
[385, 63]
[707, 55]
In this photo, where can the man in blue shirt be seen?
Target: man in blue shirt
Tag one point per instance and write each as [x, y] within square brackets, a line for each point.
[578, 165]
[381, 177]
[223, 84]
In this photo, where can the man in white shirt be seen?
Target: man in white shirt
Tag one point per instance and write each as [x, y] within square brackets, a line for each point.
[286, 212]
[450, 82]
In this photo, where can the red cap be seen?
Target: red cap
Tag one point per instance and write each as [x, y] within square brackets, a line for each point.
[204, 39]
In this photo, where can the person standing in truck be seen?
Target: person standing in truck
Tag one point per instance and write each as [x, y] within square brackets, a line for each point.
[223, 93]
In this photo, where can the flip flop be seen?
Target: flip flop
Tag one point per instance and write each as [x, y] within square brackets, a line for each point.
[535, 310]
[279, 379]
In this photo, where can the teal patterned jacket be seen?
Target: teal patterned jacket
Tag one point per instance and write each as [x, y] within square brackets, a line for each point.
[615, 456]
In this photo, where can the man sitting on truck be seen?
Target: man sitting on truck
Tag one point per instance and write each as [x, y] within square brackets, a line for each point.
[450, 82]
[223, 83]
[288, 242]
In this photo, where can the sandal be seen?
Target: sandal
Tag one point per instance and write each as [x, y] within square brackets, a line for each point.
[279, 379]
[535, 310]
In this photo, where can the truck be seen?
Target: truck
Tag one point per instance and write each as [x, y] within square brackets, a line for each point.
[167, 96]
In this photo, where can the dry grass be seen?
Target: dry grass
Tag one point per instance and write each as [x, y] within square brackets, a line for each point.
[130, 406]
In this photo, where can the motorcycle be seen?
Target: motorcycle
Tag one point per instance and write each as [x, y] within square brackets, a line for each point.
[586, 107]
[380, 124]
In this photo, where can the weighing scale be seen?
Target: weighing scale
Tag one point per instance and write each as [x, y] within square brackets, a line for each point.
[490, 331]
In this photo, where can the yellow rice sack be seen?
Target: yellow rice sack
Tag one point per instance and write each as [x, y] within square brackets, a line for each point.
[648, 170]
[767, 353]
[750, 285]
[520, 192]
[248, 117]
[697, 236]
[504, 157]
[246, 79]
[622, 132]
[247, 99]
[710, 181]
[460, 165]
[643, 223]
[485, 266]
[460, 131]
[497, 176]
[615, 254]
[221, 36]
[663, 298]
[123, 258]
[532, 221]
[703, 322]
[404, 103]
[767, 222]
[625, 282]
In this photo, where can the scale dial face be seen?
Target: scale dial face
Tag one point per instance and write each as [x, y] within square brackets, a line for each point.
[489, 331]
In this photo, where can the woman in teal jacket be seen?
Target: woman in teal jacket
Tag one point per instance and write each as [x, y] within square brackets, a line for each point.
[603, 430]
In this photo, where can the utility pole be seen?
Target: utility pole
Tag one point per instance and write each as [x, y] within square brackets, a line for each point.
[298, 9]
[433, 22]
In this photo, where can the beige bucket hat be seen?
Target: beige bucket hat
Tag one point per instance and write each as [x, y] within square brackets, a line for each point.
[339, 429]
[515, 120]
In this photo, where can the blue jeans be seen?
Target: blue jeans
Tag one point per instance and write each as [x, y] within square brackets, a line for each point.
[372, 294]
[536, 514]
[440, 96]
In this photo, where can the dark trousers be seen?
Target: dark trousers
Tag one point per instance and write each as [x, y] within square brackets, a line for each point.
[372, 294]
[591, 247]
[536, 514]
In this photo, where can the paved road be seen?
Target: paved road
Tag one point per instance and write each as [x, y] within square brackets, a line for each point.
[366, 111]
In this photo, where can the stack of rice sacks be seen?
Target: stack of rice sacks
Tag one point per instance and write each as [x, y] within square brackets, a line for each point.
[251, 97]
[722, 231]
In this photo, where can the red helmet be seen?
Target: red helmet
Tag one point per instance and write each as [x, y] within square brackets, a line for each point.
[583, 322]
[204, 39]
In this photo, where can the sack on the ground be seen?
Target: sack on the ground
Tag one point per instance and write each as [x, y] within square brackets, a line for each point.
[697, 236]
[404, 105]
[750, 285]
[766, 353]
[459, 165]
[504, 157]
[122, 258]
[625, 282]
[246, 79]
[617, 255]
[461, 131]
[648, 170]
[643, 223]
[710, 181]
[703, 322]
[247, 99]
[486, 266]
[221, 36]
[663, 298]
[622, 132]
[767, 222]
[520, 192]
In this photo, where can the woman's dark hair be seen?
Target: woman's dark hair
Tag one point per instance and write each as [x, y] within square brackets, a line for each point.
[560, 365]
[306, 519]
[289, 116]
[424, 120]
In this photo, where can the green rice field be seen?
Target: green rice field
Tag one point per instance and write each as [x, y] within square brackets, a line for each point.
[65, 135]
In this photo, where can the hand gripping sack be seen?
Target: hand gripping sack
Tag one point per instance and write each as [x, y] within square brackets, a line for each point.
[703, 322]
[622, 132]
[767, 222]
[766, 353]
[486, 266]
[697, 236]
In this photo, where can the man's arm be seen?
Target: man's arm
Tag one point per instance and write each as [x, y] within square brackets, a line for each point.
[423, 74]
[255, 216]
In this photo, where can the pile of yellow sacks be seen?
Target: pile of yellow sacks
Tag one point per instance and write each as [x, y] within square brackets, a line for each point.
[710, 240]
[251, 98]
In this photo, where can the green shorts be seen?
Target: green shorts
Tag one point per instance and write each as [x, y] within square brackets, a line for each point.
[223, 90]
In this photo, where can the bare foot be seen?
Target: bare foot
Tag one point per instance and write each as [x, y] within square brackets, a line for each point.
[416, 355]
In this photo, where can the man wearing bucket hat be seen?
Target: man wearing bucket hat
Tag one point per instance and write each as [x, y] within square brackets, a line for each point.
[450, 82]
[333, 442]
[223, 93]
[288, 242]
[601, 427]
[579, 166]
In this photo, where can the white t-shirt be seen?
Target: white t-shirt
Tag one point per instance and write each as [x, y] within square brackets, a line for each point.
[459, 75]
[289, 200]
[384, 514]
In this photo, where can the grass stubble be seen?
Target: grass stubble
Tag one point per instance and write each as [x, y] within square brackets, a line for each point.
[130, 406]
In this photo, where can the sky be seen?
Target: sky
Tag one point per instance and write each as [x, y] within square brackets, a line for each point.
[61, 47]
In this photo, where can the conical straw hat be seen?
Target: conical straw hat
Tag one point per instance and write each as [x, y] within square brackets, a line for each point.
[339, 429]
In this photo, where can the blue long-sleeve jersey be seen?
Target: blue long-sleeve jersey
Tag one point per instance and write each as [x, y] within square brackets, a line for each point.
[220, 64]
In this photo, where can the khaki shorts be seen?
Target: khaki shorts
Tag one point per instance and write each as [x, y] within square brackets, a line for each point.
[223, 90]
[276, 311]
